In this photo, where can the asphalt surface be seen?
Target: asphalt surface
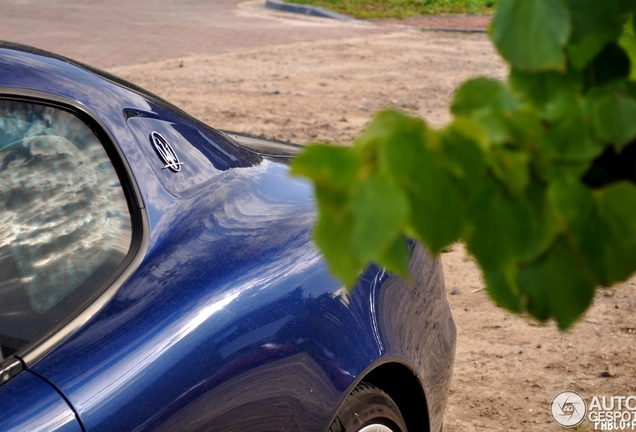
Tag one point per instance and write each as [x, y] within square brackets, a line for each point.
[124, 32]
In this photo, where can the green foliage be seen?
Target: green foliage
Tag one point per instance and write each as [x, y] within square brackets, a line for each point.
[531, 34]
[510, 174]
[370, 9]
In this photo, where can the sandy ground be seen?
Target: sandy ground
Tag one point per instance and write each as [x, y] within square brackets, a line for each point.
[508, 368]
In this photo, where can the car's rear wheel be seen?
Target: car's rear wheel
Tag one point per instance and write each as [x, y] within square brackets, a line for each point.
[368, 409]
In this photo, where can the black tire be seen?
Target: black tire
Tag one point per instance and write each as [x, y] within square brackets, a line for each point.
[365, 407]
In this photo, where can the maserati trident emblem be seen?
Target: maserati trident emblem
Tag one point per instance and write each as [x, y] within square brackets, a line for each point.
[166, 152]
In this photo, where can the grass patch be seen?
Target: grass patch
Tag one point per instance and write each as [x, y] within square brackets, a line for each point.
[369, 9]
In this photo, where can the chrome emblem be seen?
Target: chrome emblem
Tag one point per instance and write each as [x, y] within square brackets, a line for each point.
[166, 152]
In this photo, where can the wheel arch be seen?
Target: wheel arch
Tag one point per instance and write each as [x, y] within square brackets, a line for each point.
[403, 386]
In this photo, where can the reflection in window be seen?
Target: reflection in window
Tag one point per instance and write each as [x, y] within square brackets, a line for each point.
[64, 219]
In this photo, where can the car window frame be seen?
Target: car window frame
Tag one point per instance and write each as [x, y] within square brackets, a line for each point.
[36, 349]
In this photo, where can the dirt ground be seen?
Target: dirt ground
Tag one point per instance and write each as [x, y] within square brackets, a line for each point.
[508, 368]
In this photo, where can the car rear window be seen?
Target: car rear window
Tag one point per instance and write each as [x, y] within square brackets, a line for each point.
[65, 225]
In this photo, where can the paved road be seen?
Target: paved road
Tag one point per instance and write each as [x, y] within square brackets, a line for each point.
[108, 33]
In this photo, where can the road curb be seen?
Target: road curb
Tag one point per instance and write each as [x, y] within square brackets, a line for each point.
[326, 13]
[306, 10]
[455, 30]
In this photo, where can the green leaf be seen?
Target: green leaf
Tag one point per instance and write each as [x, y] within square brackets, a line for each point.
[547, 221]
[627, 41]
[594, 24]
[613, 114]
[511, 167]
[502, 288]
[502, 228]
[380, 210]
[333, 237]
[525, 127]
[617, 207]
[627, 5]
[387, 127]
[542, 87]
[602, 227]
[396, 258]
[532, 34]
[611, 64]
[576, 204]
[434, 197]
[569, 144]
[490, 104]
[556, 285]
[463, 145]
[327, 165]
[334, 173]
[506, 231]
[479, 94]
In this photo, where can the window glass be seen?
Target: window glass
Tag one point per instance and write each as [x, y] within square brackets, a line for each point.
[64, 219]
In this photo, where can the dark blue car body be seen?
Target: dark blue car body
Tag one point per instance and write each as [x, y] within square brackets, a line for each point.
[222, 315]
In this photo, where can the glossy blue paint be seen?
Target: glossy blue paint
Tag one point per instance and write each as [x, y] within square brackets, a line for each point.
[28, 403]
[232, 284]
[231, 321]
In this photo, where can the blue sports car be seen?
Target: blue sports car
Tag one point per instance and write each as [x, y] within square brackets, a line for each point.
[158, 274]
